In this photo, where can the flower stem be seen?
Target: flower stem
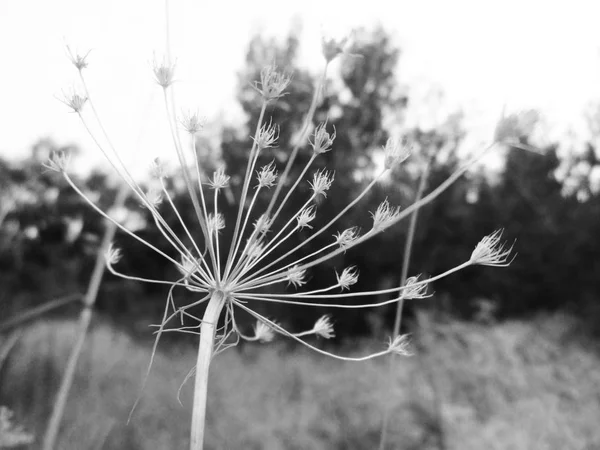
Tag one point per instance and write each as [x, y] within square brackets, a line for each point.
[400, 306]
[85, 318]
[205, 352]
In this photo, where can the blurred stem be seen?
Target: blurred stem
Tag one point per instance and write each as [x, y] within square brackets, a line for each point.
[85, 319]
[205, 352]
[38, 311]
[428, 366]
[400, 306]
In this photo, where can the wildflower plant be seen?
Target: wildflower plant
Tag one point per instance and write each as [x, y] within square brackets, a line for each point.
[229, 277]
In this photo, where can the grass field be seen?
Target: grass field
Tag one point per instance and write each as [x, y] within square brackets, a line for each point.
[515, 385]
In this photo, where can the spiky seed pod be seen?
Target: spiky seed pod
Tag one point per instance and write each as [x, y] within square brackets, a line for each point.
[74, 101]
[490, 251]
[296, 276]
[384, 216]
[324, 328]
[272, 83]
[263, 332]
[267, 176]
[215, 223]
[321, 183]
[400, 345]
[267, 136]
[164, 73]
[306, 216]
[322, 140]
[220, 180]
[58, 162]
[192, 123]
[348, 277]
[78, 60]
[112, 255]
[347, 237]
[396, 152]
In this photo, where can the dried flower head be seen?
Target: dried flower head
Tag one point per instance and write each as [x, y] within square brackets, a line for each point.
[220, 180]
[272, 83]
[58, 161]
[296, 276]
[384, 216]
[324, 328]
[192, 123]
[322, 140]
[490, 251]
[163, 73]
[400, 345]
[347, 237]
[267, 176]
[263, 332]
[332, 47]
[74, 100]
[153, 197]
[267, 136]
[78, 60]
[215, 223]
[306, 216]
[113, 255]
[263, 224]
[322, 180]
[157, 169]
[395, 152]
[348, 277]
[414, 289]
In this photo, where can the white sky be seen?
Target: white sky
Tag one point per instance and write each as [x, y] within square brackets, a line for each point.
[481, 54]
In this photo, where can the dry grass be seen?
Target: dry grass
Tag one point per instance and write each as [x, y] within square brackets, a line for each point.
[511, 386]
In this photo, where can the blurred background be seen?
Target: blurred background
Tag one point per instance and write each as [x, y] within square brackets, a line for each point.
[504, 358]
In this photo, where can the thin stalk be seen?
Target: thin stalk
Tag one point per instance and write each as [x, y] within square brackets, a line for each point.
[237, 233]
[301, 139]
[322, 229]
[85, 319]
[402, 215]
[410, 237]
[205, 353]
[38, 311]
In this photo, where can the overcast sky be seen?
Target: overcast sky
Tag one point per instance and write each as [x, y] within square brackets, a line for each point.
[482, 54]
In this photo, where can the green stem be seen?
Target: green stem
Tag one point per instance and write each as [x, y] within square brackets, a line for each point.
[205, 352]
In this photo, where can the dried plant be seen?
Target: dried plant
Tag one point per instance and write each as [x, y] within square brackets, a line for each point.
[228, 277]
